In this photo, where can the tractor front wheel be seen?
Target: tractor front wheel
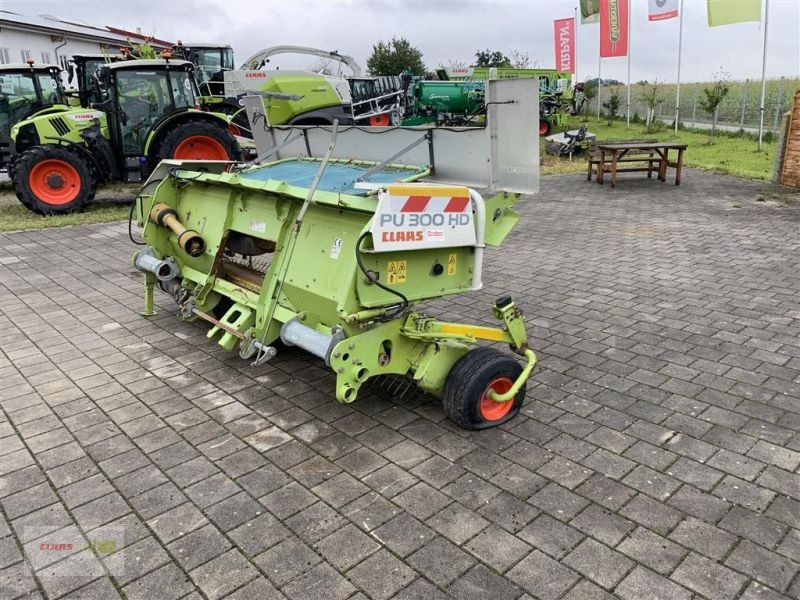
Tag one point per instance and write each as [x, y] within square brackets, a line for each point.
[200, 140]
[52, 180]
[466, 397]
[545, 126]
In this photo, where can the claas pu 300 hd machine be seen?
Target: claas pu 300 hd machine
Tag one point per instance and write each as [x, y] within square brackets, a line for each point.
[332, 244]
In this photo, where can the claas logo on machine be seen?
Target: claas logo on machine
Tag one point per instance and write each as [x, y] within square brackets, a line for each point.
[418, 216]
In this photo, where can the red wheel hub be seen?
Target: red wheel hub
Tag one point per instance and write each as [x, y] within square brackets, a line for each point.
[491, 410]
[200, 147]
[54, 181]
[379, 120]
[542, 127]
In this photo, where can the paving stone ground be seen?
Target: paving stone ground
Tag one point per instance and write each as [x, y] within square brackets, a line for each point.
[657, 456]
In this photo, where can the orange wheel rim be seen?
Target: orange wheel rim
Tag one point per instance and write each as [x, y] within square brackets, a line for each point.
[542, 127]
[55, 181]
[491, 410]
[379, 120]
[200, 147]
[234, 129]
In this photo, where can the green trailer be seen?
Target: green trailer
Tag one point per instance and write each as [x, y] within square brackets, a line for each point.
[334, 254]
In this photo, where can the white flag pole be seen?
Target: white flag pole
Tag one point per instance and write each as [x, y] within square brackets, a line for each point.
[763, 76]
[678, 87]
[599, 64]
[575, 47]
[628, 110]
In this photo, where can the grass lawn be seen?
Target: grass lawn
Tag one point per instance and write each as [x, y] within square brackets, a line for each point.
[111, 204]
[735, 155]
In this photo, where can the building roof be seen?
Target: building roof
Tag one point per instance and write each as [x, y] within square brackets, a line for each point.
[55, 26]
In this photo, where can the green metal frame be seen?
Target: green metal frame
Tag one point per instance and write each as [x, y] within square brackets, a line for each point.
[327, 293]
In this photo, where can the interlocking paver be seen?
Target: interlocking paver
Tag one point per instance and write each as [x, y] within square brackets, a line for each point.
[440, 561]
[224, 574]
[599, 563]
[708, 578]
[381, 575]
[652, 550]
[661, 423]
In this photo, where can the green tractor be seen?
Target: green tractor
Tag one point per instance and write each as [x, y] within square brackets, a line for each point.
[26, 91]
[85, 69]
[210, 63]
[147, 113]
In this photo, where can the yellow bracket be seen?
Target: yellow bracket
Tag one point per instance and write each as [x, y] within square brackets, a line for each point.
[475, 332]
[523, 377]
[433, 329]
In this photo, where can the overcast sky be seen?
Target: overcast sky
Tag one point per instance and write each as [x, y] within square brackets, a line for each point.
[453, 30]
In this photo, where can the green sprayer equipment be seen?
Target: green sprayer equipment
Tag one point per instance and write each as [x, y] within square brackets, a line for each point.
[557, 99]
[332, 245]
[147, 112]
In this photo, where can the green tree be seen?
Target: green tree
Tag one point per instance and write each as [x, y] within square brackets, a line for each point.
[652, 95]
[394, 57]
[590, 93]
[489, 58]
[714, 95]
[612, 106]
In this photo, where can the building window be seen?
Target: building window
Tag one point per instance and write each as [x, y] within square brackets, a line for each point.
[4, 56]
[46, 58]
[64, 63]
[26, 55]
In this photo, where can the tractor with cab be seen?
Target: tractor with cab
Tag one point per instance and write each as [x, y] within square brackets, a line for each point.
[26, 91]
[147, 112]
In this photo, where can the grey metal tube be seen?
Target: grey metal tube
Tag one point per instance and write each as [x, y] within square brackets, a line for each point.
[164, 270]
[294, 333]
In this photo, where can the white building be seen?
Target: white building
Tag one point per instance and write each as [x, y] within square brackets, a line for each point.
[48, 39]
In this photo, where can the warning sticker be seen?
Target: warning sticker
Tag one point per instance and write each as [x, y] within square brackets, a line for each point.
[396, 272]
[451, 264]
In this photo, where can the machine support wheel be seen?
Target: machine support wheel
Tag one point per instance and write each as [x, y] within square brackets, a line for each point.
[200, 140]
[466, 390]
[52, 180]
[545, 126]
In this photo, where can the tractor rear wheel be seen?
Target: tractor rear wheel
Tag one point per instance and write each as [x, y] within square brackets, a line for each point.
[52, 180]
[545, 126]
[200, 140]
[466, 390]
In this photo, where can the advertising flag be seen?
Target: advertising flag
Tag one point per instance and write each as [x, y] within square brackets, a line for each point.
[613, 28]
[725, 12]
[590, 11]
[661, 10]
[565, 44]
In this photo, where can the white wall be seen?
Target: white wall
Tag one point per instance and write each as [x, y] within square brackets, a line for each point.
[15, 41]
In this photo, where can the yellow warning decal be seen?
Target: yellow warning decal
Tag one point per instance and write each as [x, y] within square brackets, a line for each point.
[396, 270]
[451, 264]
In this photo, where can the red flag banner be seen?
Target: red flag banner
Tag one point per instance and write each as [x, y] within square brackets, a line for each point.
[613, 28]
[565, 44]
[661, 10]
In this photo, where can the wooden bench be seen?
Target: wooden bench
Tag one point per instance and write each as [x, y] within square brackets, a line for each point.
[655, 155]
[637, 157]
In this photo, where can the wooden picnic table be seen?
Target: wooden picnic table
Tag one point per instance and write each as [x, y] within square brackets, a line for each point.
[611, 154]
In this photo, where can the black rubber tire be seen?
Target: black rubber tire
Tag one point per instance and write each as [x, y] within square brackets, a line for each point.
[545, 127]
[218, 132]
[28, 160]
[467, 381]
